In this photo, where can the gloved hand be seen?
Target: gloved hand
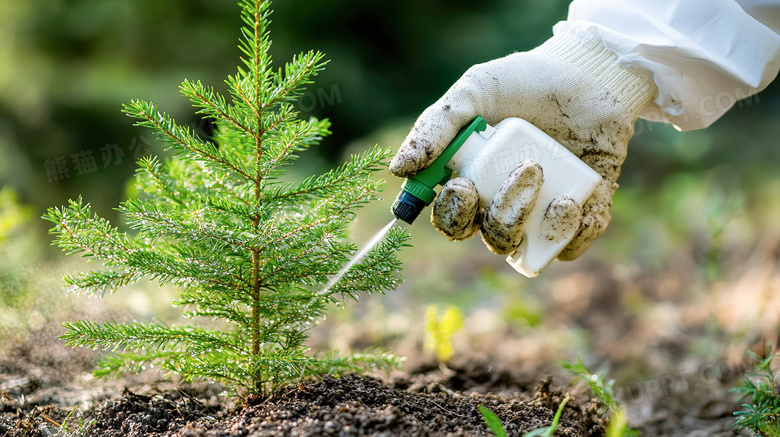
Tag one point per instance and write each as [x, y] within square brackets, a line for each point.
[575, 92]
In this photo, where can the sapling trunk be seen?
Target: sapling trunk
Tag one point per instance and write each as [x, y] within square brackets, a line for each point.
[243, 247]
[257, 381]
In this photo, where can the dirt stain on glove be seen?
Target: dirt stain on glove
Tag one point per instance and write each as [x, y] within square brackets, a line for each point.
[561, 219]
[456, 212]
[429, 136]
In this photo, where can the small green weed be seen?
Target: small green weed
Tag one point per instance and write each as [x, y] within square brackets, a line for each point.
[12, 214]
[762, 413]
[548, 431]
[493, 422]
[604, 391]
[439, 331]
[495, 425]
[83, 427]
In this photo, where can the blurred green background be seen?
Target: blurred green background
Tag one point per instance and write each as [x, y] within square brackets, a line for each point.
[67, 66]
[692, 206]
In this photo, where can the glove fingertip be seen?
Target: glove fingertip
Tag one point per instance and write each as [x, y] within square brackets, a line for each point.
[594, 223]
[499, 241]
[407, 161]
[561, 219]
[431, 134]
[456, 212]
[502, 224]
[570, 253]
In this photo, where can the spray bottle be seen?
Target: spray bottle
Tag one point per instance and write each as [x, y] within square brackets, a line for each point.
[487, 155]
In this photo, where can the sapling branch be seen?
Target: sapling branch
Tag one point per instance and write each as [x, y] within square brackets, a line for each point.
[214, 104]
[178, 136]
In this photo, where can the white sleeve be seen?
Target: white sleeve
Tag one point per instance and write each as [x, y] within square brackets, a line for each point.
[703, 55]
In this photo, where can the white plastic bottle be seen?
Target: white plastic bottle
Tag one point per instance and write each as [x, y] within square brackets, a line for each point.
[487, 158]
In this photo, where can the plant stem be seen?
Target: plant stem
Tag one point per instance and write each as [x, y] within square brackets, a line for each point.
[256, 277]
[258, 189]
[256, 270]
[258, 383]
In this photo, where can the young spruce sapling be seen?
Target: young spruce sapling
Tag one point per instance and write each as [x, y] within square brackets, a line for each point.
[246, 249]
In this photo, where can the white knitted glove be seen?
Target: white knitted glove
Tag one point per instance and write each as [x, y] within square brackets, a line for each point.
[576, 93]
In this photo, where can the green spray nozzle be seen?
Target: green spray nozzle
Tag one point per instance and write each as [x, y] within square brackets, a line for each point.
[417, 191]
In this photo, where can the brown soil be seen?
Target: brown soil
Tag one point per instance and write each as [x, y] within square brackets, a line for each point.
[356, 405]
[41, 382]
